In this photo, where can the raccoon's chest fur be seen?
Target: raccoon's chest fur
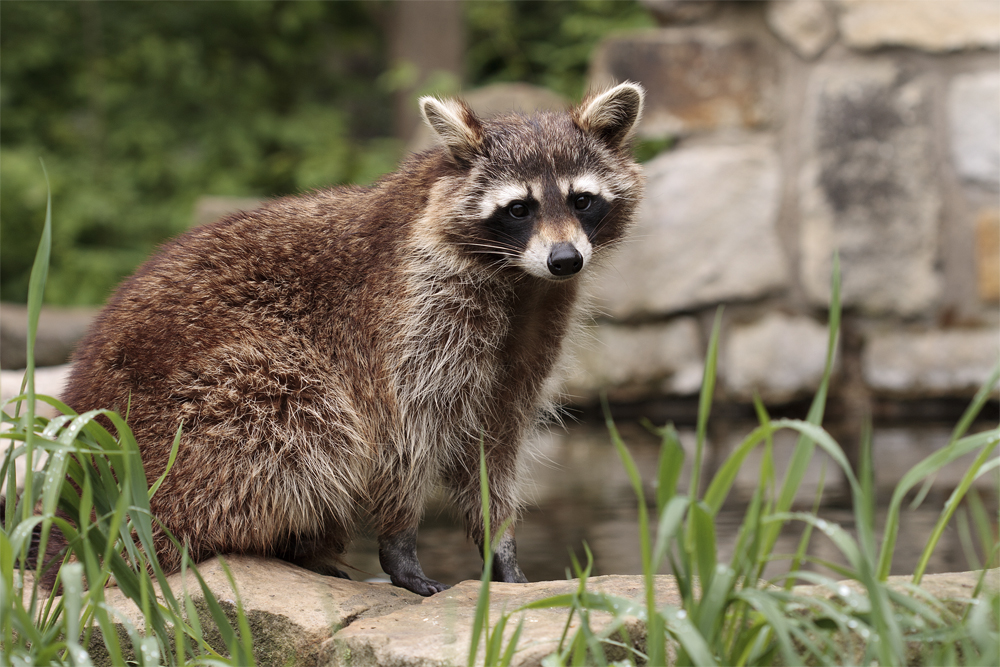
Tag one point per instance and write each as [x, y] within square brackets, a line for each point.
[476, 353]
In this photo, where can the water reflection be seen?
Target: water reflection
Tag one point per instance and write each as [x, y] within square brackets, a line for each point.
[581, 493]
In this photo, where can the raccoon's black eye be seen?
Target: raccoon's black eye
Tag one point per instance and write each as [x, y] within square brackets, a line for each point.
[518, 210]
[582, 202]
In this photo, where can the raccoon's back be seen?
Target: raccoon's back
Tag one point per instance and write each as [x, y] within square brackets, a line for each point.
[257, 309]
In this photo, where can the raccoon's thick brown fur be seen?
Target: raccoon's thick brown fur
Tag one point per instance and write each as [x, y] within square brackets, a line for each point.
[341, 352]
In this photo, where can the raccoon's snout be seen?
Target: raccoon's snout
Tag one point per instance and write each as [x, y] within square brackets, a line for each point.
[565, 260]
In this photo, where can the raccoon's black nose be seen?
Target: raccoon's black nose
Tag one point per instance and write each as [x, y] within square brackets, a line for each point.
[565, 260]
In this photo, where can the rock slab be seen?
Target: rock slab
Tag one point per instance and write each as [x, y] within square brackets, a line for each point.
[438, 631]
[974, 125]
[636, 362]
[706, 233]
[301, 618]
[696, 78]
[805, 25]
[869, 188]
[780, 357]
[929, 25]
[292, 612]
[938, 362]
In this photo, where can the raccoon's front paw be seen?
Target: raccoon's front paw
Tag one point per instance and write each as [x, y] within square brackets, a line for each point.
[398, 557]
[419, 584]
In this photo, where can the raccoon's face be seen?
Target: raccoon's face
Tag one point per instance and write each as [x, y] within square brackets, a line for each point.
[541, 194]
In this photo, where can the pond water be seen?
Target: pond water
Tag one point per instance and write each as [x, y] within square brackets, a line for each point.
[580, 494]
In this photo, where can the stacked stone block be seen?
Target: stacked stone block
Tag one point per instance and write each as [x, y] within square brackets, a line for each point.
[804, 127]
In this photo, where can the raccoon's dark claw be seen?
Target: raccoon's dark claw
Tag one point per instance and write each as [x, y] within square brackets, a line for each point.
[419, 584]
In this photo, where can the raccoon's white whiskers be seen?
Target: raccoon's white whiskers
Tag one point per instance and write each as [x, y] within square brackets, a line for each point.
[485, 248]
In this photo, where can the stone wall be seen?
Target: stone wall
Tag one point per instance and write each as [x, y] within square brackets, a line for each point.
[798, 127]
[802, 127]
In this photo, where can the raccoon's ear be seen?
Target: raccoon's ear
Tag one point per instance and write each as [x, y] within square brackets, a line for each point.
[456, 124]
[612, 114]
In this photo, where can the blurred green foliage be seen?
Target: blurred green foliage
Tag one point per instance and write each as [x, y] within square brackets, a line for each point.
[139, 108]
[545, 43]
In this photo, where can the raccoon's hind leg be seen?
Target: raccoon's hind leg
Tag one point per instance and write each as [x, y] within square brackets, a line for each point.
[462, 479]
[324, 567]
[322, 556]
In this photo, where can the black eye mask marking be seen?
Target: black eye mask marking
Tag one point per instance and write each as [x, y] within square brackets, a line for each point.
[590, 210]
[511, 226]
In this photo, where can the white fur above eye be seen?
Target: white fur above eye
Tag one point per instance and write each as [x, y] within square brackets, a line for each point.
[585, 183]
[503, 195]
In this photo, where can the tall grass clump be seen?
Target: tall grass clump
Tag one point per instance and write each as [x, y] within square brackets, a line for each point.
[730, 614]
[88, 482]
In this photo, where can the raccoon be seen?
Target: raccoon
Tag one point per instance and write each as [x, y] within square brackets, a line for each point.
[332, 357]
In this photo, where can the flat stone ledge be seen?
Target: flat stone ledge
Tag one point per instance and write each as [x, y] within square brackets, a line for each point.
[298, 617]
[292, 612]
[439, 630]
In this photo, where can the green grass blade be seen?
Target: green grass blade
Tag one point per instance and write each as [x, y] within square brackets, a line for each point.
[928, 466]
[481, 621]
[669, 528]
[725, 476]
[174, 448]
[702, 530]
[36, 292]
[229, 637]
[715, 598]
[657, 645]
[508, 655]
[669, 468]
[976, 406]
[241, 651]
[803, 547]
[979, 467]
[803, 452]
[705, 401]
[777, 620]
[988, 540]
[680, 627]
